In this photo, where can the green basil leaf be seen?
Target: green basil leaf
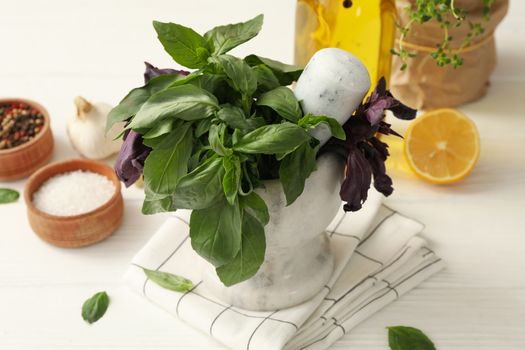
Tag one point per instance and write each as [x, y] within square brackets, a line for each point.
[283, 101]
[215, 232]
[154, 142]
[162, 128]
[242, 78]
[295, 168]
[234, 117]
[272, 139]
[310, 121]
[186, 102]
[266, 79]
[154, 206]
[95, 307]
[285, 73]
[408, 338]
[167, 163]
[202, 127]
[209, 82]
[236, 136]
[216, 139]
[130, 105]
[232, 178]
[225, 38]
[169, 281]
[8, 195]
[254, 205]
[200, 188]
[251, 255]
[186, 46]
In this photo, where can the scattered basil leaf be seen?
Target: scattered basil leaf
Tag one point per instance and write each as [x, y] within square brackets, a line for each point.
[186, 102]
[169, 281]
[215, 232]
[186, 46]
[232, 178]
[131, 104]
[408, 338]
[283, 101]
[295, 168]
[95, 307]
[310, 121]
[225, 38]
[250, 256]
[8, 195]
[254, 205]
[200, 188]
[272, 139]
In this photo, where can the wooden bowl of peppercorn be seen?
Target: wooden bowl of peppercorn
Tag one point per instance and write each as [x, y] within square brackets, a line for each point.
[26, 141]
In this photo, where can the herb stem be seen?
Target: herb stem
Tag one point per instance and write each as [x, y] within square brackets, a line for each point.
[248, 180]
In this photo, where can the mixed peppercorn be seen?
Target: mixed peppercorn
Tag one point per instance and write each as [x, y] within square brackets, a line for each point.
[19, 123]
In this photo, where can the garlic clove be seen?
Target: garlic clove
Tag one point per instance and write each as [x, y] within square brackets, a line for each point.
[86, 130]
[83, 106]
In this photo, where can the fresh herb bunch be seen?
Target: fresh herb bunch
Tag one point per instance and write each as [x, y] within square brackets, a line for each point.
[206, 139]
[448, 16]
[364, 152]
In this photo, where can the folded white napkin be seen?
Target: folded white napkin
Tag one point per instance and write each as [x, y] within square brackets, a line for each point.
[378, 258]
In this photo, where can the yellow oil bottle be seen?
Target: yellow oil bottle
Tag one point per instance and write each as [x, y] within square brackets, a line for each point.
[366, 28]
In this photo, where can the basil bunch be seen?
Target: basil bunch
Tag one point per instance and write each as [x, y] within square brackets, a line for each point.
[212, 136]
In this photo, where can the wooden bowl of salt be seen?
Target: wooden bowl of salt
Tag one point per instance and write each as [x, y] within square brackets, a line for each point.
[74, 203]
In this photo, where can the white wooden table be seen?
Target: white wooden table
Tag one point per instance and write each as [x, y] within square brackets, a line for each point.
[52, 50]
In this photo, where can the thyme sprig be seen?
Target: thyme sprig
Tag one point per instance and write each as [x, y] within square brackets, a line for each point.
[448, 16]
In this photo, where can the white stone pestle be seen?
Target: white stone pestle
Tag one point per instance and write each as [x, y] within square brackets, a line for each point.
[334, 83]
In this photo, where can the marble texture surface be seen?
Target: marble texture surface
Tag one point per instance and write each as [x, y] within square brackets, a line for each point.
[298, 261]
[333, 83]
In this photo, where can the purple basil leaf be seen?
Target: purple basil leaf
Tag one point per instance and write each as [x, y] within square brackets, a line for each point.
[358, 129]
[402, 111]
[354, 189]
[152, 72]
[376, 111]
[380, 100]
[385, 129]
[382, 182]
[365, 153]
[380, 89]
[130, 161]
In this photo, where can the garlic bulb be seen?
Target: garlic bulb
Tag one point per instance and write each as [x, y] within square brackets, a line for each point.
[87, 132]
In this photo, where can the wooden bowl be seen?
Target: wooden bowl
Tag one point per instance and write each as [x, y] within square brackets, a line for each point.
[79, 230]
[23, 160]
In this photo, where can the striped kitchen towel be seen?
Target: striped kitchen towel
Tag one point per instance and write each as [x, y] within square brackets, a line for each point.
[378, 255]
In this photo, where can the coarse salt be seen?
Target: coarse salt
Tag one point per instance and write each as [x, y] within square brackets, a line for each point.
[73, 193]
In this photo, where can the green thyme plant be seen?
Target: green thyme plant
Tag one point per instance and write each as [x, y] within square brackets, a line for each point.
[213, 135]
[448, 16]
